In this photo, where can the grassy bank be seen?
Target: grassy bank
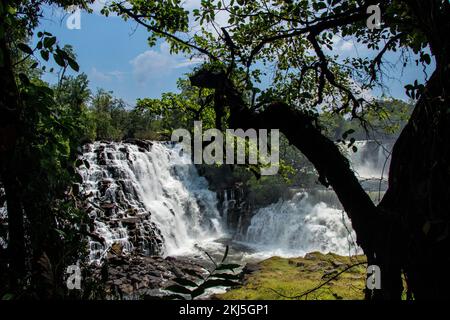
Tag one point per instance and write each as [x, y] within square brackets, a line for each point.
[283, 278]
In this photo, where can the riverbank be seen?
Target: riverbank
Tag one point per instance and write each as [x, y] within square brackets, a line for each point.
[284, 278]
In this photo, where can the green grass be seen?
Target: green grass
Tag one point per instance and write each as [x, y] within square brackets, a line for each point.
[293, 276]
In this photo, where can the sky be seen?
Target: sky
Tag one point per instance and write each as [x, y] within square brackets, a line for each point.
[116, 57]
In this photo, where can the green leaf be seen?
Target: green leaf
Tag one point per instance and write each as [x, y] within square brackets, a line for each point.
[228, 267]
[350, 131]
[73, 64]
[227, 276]
[321, 5]
[352, 142]
[212, 283]
[193, 273]
[59, 59]
[8, 296]
[347, 133]
[25, 48]
[197, 292]
[225, 254]
[178, 289]
[174, 296]
[49, 42]
[426, 58]
[24, 79]
[61, 233]
[45, 55]
[185, 282]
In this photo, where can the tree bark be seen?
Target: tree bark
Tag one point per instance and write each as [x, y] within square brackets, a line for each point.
[419, 194]
[409, 231]
[10, 109]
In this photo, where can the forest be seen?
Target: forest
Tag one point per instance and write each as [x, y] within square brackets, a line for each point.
[97, 202]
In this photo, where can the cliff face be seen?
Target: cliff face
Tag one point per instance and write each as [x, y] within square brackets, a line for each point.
[233, 197]
[235, 209]
[146, 197]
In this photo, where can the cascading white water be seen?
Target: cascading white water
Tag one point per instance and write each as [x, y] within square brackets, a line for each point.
[298, 226]
[304, 223]
[160, 187]
[372, 159]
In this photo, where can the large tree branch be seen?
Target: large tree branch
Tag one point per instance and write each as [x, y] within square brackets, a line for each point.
[334, 21]
[139, 20]
[301, 131]
[329, 75]
[376, 62]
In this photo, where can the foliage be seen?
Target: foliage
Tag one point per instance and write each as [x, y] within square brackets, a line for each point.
[217, 277]
[180, 110]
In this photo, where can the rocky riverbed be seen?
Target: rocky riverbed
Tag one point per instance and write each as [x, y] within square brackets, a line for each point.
[137, 276]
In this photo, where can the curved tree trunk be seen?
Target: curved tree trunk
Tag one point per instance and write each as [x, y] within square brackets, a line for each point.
[419, 192]
[392, 234]
[9, 123]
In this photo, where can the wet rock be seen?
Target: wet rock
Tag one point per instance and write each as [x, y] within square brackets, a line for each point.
[143, 145]
[134, 275]
[338, 264]
[75, 189]
[312, 256]
[330, 274]
[250, 268]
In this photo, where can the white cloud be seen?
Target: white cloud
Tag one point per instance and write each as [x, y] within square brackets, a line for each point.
[342, 44]
[153, 64]
[189, 62]
[106, 76]
[347, 45]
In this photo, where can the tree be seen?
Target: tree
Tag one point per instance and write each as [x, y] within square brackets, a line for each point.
[34, 133]
[109, 115]
[180, 110]
[408, 231]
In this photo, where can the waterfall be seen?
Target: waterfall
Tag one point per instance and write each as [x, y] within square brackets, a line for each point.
[297, 226]
[313, 220]
[162, 206]
[372, 159]
[148, 197]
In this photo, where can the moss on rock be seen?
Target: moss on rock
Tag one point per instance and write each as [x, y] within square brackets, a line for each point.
[280, 278]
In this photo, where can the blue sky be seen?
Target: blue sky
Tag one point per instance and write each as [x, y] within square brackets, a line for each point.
[116, 57]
